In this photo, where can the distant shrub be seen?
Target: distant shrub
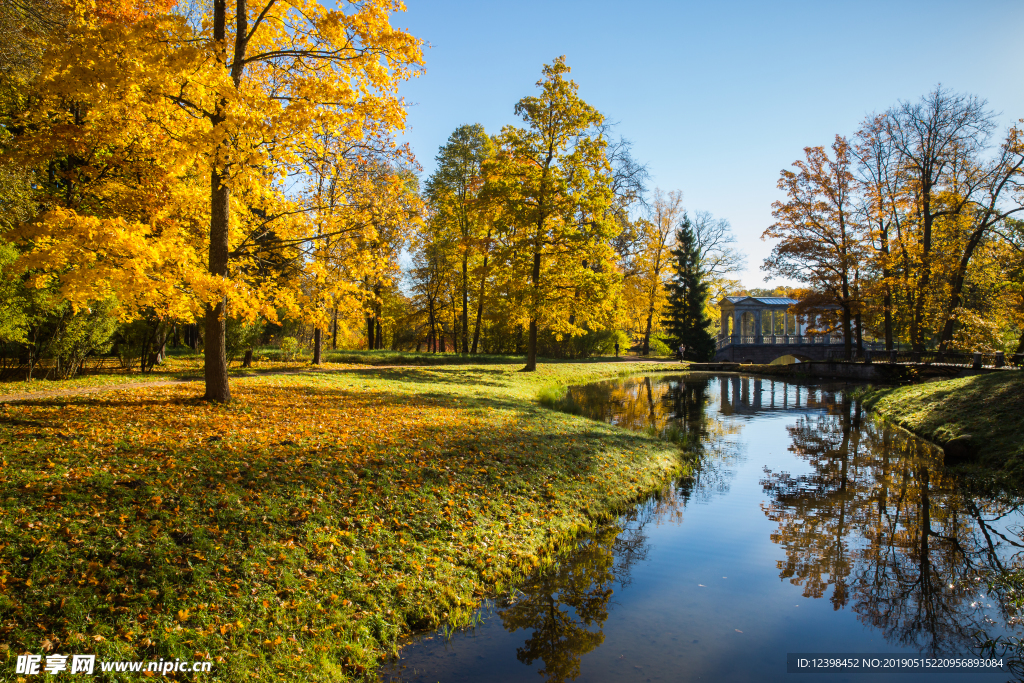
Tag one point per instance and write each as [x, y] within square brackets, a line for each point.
[659, 348]
[79, 334]
[241, 336]
[289, 347]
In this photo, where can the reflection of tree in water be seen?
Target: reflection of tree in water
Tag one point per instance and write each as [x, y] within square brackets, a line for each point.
[566, 605]
[880, 523]
[677, 409]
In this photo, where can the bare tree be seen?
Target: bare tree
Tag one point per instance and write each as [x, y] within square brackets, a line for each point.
[718, 254]
[878, 177]
[938, 141]
[629, 189]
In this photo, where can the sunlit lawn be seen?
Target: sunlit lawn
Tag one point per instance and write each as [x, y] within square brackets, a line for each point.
[187, 365]
[298, 530]
[987, 409]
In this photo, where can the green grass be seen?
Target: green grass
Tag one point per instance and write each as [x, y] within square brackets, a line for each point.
[988, 408]
[185, 364]
[412, 358]
[296, 532]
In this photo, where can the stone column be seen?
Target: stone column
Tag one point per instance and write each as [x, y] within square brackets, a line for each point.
[757, 327]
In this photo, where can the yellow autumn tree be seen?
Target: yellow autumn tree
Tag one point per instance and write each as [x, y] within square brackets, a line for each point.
[553, 181]
[653, 262]
[171, 142]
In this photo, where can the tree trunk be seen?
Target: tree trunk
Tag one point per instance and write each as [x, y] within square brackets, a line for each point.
[334, 332]
[860, 335]
[317, 345]
[33, 354]
[369, 332]
[531, 349]
[465, 302]
[432, 334]
[455, 329]
[957, 289]
[886, 287]
[917, 320]
[215, 353]
[647, 332]
[480, 303]
[380, 336]
[887, 305]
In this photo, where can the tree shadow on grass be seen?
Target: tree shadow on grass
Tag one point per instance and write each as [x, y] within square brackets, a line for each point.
[432, 375]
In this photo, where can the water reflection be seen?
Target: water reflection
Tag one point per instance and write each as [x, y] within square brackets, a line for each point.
[879, 525]
[854, 514]
[678, 409]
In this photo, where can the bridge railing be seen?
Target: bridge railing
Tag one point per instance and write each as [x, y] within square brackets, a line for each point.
[957, 359]
[781, 340]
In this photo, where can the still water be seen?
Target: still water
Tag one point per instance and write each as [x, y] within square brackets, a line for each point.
[805, 526]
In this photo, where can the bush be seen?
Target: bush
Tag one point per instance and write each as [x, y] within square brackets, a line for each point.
[659, 348]
[603, 343]
[593, 343]
[131, 342]
[289, 347]
[79, 334]
[241, 336]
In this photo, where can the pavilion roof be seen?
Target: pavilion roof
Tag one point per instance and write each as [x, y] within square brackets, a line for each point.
[766, 300]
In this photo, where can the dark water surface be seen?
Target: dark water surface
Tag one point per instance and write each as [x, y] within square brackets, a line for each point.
[806, 526]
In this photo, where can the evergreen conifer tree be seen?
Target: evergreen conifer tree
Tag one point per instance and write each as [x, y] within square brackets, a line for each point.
[686, 320]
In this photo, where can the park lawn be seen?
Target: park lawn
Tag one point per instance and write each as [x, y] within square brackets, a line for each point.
[181, 367]
[189, 366]
[989, 408]
[297, 531]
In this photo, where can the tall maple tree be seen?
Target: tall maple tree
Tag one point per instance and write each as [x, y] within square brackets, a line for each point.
[820, 242]
[454, 190]
[178, 136]
[654, 262]
[554, 182]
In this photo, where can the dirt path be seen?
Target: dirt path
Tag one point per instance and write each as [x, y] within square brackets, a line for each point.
[84, 391]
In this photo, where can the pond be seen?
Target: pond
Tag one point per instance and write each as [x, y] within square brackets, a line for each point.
[803, 526]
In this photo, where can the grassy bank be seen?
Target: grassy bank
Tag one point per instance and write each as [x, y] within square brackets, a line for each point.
[979, 418]
[297, 531]
[189, 366]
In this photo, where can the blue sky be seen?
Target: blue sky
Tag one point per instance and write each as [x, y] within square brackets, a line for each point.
[717, 97]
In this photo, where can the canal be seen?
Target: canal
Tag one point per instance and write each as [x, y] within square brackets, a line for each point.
[802, 526]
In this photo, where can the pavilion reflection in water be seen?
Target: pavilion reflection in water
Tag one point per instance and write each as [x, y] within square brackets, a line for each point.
[753, 395]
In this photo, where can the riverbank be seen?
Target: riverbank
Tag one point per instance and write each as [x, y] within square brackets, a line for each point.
[296, 532]
[977, 419]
